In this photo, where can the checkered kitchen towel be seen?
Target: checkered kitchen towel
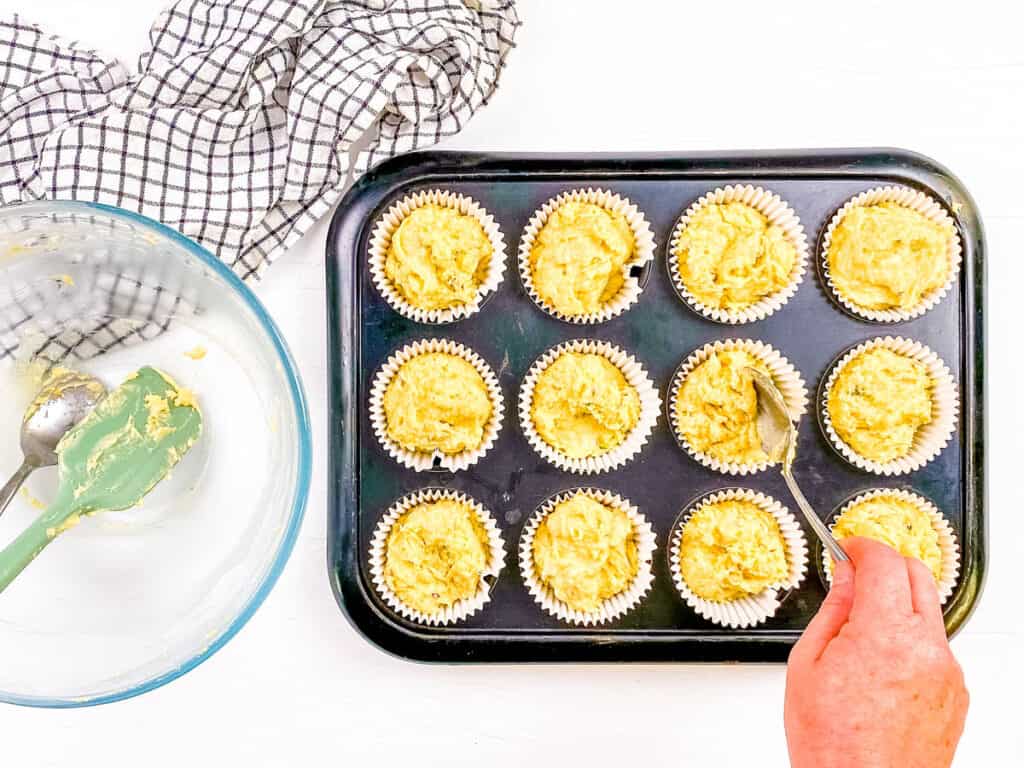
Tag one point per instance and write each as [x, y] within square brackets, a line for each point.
[237, 128]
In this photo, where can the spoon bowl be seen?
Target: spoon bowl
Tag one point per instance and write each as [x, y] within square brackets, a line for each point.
[65, 398]
[774, 425]
[778, 435]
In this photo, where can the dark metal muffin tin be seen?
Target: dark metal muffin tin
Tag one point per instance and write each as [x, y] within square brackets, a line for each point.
[510, 332]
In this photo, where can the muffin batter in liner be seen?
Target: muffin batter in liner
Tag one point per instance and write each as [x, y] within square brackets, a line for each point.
[643, 244]
[754, 609]
[930, 439]
[613, 607]
[635, 439]
[785, 377]
[461, 609]
[778, 212]
[380, 242]
[947, 538]
[916, 201]
[438, 459]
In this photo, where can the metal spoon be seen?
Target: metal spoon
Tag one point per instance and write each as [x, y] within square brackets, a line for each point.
[65, 399]
[112, 459]
[778, 439]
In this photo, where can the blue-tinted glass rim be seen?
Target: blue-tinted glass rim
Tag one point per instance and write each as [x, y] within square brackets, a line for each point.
[302, 482]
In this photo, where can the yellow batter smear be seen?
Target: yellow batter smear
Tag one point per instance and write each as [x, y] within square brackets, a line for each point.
[888, 256]
[730, 256]
[902, 525]
[716, 408]
[438, 258]
[185, 398]
[583, 405]
[437, 402]
[579, 258]
[878, 402]
[67, 525]
[33, 502]
[196, 353]
[159, 413]
[54, 382]
[732, 549]
[585, 551]
[436, 555]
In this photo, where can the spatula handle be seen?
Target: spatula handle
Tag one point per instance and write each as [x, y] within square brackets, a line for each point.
[16, 556]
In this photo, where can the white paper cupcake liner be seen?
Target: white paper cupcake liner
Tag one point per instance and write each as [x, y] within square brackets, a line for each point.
[643, 245]
[463, 608]
[634, 441]
[950, 569]
[613, 607]
[754, 609]
[917, 201]
[437, 459]
[929, 439]
[785, 377]
[385, 228]
[778, 212]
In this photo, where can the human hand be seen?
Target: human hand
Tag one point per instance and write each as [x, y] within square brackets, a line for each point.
[872, 682]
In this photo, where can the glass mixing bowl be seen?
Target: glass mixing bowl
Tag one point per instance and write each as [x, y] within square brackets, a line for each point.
[127, 601]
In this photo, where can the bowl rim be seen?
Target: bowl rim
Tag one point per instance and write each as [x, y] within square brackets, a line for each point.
[302, 485]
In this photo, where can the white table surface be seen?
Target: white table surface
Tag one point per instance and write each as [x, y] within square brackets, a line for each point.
[299, 685]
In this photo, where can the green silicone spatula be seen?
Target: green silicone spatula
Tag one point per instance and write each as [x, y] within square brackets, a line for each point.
[112, 459]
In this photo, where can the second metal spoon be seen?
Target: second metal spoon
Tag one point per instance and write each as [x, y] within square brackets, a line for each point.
[64, 400]
[778, 439]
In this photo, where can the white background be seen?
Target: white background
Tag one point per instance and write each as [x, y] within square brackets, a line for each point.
[298, 685]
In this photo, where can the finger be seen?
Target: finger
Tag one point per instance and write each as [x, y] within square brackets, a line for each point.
[831, 617]
[924, 594]
[881, 584]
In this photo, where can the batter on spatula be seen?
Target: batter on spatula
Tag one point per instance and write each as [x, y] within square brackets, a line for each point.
[112, 459]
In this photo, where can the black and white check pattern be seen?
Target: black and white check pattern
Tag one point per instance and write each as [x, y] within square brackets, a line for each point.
[239, 126]
[115, 298]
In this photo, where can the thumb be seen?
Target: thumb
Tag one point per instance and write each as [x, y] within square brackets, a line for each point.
[831, 617]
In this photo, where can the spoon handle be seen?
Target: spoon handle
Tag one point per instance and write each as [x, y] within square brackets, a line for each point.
[14, 484]
[824, 534]
[17, 555]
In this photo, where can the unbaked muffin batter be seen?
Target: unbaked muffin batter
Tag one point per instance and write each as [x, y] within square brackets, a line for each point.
[902, 525]
[437, 402]
[731, 549]
[585, 551]
[579, 258]
[878, 402]
[436, 555]
[888, 256]
[730, 256]
[438, 257]
[716, 408]
[583, 405]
